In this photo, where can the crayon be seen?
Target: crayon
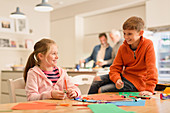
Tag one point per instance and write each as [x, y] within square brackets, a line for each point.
[65, 83]
[64, 104]
[80, 104]
[136, 100]
[142, 97]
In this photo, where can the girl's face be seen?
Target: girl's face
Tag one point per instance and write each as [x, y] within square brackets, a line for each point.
[132, 37]
[50, 59]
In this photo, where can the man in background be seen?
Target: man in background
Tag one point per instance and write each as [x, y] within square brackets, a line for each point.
[102, 53]
[117, 41]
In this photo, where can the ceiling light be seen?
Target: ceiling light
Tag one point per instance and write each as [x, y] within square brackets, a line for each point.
[43, 7]
[17, 14]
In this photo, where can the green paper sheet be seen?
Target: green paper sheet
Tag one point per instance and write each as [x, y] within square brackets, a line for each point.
[130, 94]
[107, 108]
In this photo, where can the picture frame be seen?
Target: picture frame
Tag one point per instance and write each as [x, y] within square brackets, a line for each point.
[29, 44]
[7, 25]
[21, 26]
[4, 42]
[13, 43]
[21, 43]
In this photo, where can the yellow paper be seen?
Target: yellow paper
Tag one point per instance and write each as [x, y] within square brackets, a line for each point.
[167, 90]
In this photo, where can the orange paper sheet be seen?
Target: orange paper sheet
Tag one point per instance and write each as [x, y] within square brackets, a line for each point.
[106, 97]
[34, 106]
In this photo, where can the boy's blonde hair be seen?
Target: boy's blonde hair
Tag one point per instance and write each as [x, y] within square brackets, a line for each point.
[134, 23]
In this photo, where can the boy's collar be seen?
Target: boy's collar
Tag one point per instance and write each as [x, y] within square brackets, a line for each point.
[140, 43]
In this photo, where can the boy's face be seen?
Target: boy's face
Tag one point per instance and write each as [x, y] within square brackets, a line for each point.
[132, 36]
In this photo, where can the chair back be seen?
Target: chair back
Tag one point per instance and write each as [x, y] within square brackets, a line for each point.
[18, 83]
[83, 82]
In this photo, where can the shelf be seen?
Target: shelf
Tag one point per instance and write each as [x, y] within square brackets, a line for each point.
[164, 75]
[164, 69]
[13, 49]
[164, 61]
[167, 80]
[164, 51]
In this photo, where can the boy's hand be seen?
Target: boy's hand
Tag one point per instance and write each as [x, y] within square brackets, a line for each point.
[119, 84]
[58, 94]
[145, 93]
[71, 93]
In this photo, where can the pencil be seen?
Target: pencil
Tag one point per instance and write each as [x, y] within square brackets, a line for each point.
[65, 83]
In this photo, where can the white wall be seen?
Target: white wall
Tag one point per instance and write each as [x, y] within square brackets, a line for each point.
[86, 21]
[38, 22]
[158, 13]
[63, 32]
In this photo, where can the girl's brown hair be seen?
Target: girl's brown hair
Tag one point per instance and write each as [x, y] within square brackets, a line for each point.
[134, 23]
[41, 46]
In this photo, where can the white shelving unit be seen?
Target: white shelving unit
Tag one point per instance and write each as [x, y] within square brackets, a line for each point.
[164, 57]
[19, 38]
[164, 69]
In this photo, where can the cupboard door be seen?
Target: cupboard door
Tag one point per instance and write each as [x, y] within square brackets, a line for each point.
[11, 75]
[157, 13]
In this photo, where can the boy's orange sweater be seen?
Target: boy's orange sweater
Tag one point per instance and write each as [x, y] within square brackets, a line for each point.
[141, 72]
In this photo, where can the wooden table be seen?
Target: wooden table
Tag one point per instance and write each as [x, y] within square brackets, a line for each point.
[154, 105]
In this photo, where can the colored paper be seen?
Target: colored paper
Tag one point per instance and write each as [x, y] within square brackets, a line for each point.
[5, 110]
[34, 105]
[106, 108]
[129, 103]
[167, 90]
[129, 93]
[106, 97]
[133, 94]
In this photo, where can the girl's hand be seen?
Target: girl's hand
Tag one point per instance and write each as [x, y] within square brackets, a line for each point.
[145, 93]
[71, 93]
[58, 94]
[119, 84]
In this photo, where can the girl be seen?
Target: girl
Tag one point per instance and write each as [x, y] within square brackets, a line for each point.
[43, 78]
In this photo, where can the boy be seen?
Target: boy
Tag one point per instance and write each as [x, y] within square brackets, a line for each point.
[134, 68]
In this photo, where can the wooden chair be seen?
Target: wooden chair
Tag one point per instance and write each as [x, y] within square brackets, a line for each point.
[18, 83]
[83, 82]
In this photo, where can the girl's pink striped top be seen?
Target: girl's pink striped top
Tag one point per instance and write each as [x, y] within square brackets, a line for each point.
[52, 75]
